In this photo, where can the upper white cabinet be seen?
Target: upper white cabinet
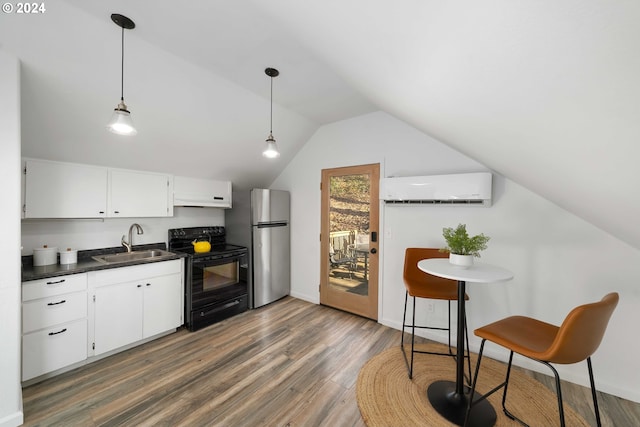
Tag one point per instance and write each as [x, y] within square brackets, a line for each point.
[139, 194]
[64, 190]
[201, 192]
[70, 190]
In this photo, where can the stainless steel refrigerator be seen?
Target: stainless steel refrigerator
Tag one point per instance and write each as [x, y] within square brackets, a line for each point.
[259, 220]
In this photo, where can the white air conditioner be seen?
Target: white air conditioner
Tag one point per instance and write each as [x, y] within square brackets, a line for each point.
[454, 189]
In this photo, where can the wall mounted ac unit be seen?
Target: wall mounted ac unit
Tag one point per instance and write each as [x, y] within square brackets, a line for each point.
[454, 189]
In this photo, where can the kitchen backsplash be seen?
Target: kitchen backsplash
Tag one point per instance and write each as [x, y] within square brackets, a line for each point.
[85, 234]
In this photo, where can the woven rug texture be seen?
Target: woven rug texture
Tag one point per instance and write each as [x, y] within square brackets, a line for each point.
[388, 398]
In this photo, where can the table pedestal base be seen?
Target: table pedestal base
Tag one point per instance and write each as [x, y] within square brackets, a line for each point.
[453, 406]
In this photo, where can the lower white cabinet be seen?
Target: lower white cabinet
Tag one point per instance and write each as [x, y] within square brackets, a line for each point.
[69, 319]
[118, 316]
[134, 303]
[54, 324]
[53, 348]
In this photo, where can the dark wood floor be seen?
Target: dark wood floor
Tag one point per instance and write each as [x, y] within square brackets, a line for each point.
[291, 363]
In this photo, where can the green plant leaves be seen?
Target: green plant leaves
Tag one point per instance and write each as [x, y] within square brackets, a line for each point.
[459, 242]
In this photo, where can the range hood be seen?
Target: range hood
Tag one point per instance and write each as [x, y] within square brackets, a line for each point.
[204, 193]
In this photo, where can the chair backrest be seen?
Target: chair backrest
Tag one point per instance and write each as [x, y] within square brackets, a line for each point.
[412, 274]
[582, 331]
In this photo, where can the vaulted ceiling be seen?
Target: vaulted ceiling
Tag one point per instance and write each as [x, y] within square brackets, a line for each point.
[543, 92]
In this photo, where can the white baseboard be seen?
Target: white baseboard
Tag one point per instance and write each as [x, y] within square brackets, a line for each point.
[314, 299]
[12, 420]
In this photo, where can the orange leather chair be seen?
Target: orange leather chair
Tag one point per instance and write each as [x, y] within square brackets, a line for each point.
[419, 284]
[575, 340]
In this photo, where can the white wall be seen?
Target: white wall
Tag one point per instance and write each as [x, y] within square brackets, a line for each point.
[10, 392]
[190, 121]
[559, 261]
[84, 234]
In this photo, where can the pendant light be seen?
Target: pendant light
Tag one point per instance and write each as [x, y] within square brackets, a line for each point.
[121, 122]
[271, 151]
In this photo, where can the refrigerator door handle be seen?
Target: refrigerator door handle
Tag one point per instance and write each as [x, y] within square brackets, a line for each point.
[272, 224]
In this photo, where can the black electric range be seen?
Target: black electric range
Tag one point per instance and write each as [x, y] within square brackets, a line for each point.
[215, 281]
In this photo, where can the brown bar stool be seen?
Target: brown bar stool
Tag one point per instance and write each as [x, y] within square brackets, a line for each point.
[419, 284]
[575, 340]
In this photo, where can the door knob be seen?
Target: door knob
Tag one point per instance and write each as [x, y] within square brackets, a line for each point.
[373, 250]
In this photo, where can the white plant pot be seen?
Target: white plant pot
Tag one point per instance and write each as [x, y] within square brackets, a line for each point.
[461, 261]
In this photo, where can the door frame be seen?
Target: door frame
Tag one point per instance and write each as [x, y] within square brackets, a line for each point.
[353, 303]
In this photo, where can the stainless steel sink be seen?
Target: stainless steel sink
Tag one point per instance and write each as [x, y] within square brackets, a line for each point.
[132, 256]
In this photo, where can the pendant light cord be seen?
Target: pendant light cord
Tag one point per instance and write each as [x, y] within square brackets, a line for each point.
[271, 123]
[122, 68]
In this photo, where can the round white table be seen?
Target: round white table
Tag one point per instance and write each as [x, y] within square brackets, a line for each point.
[448, 397]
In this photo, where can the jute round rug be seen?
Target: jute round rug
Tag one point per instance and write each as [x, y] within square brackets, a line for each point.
[388, 398]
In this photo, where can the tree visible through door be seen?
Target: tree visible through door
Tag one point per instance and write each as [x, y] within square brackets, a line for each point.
[349, 239]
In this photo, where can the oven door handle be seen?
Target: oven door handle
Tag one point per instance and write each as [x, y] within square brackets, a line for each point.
[215, 310]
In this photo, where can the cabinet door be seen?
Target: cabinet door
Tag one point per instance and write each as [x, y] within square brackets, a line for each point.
[138, 194]
[64, 190]
[118, 315]
[162, 304]
[53, 348]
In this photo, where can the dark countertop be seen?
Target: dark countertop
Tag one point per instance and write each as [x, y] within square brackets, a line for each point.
[87, 263]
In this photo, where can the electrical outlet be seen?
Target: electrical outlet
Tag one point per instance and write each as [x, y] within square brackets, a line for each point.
[431, 307]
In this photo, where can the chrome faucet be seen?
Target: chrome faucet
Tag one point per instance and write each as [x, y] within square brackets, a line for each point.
[129, 244]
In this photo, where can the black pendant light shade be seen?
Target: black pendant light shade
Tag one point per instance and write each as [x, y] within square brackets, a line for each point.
[271, 150]
[121, 122]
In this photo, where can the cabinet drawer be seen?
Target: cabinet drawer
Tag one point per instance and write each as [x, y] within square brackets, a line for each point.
[52, 286]
[53, 348]
[46, 312]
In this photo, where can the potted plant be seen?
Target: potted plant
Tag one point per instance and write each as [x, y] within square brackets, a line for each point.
[461, 247]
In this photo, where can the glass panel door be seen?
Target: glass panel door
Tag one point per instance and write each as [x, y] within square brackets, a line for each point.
[349, 214]
[350, 223]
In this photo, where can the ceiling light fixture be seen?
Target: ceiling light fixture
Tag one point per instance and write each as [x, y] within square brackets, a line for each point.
[271, 151]
[121, 122]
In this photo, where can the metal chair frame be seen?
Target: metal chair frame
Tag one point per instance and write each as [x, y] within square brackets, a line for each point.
[413, 327]
[505, 384]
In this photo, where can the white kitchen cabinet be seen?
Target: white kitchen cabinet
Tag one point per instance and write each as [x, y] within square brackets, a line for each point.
[139, 194]
[118, 316]
[53, 348]
[135, 303]
[201, 192]
[64, 190]
[54, 324]
[70, 190]
[163, 301]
